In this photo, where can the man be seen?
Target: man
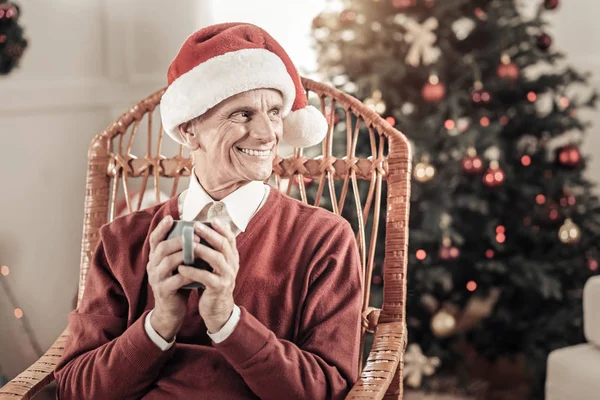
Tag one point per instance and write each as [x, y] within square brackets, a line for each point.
[279, 317]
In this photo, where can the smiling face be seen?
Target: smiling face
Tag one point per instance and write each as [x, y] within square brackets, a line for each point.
[235, 142]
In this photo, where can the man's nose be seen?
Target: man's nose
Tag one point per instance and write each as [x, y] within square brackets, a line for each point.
[262, 128]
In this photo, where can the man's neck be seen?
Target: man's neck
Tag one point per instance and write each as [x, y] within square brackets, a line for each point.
[219, 192]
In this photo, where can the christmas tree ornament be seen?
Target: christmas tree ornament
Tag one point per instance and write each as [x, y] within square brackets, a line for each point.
[494, 176]
[544, 41]
[592, 264]
[526, 161]
[447, 251]
[566, 140]
[375, 102]
[424, 171]
[569, 156]
[421, 38]
[479, 95]
[569, 232]
[417, 365]
[471, 286]
[443, 324]
[527, 144]
[400, 4]
[463, 27]
[480, 14]
[471, 163]
[551, 4]
[507, 69]
[433, 91]
[347, 18]
[421, 254]
[407, 108]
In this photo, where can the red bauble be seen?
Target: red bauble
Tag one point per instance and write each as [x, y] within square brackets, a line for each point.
[481, 97]
[569, 156]
[544, 41]
[551, 4]
[449, 253]
[508, 71]
[494, 176]
[399, 4]
[433, 92]
[347, 17]
[318, 22]
[471, 163]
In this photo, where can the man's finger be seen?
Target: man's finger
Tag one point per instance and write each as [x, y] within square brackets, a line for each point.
[215, 239]
[169, 264]
[215, 259]
[173, 283]
[208, 279]
[159, 233]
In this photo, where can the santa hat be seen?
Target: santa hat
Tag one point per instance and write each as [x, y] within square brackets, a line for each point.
[222, 60]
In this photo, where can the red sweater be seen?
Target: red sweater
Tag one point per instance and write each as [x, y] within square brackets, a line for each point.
[299, 290]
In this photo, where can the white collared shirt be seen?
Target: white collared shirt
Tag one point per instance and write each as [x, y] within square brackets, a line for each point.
[238, 208]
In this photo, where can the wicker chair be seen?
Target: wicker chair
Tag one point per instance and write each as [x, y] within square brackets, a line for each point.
[113, 168]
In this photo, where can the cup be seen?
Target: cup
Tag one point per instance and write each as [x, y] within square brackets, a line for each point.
[185, 229]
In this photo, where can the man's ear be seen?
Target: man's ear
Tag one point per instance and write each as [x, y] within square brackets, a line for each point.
[190, 139]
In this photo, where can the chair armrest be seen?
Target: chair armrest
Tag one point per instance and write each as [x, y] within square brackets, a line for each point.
[383, 362]
[29, 382]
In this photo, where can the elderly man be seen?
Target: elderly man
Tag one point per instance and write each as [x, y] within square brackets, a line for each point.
[279, 315]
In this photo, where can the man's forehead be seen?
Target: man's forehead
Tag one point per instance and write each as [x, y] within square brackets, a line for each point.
[254, 97]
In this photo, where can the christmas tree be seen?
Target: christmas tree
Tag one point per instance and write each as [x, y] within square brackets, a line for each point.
[504, 226]
[12, 43]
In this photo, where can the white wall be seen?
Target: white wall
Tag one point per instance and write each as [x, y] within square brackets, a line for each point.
[87, 62]
[576, 32]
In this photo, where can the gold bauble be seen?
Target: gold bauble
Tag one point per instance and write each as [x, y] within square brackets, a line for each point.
[443, 323]
[424, 171]
[569, 233]
[376, 103]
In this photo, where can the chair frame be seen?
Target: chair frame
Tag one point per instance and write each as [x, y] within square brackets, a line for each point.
[381, 377]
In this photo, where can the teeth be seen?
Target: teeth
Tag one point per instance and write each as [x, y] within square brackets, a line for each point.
[259, 153]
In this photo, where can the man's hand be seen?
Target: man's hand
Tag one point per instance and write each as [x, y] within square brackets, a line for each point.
[216, 303]
[170, 303]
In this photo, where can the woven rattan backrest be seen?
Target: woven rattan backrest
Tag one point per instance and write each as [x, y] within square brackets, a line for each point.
[133, 156]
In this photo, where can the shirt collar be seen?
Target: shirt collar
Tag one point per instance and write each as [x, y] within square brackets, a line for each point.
[240, 205]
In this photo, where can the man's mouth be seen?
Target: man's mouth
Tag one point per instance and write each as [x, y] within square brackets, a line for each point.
[255, 153]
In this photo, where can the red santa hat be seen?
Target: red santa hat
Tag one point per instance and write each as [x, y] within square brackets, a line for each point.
[222, 60]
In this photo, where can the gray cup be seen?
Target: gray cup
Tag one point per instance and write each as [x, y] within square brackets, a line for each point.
[185, 229]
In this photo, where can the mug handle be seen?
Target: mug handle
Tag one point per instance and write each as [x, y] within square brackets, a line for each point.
[187, 236]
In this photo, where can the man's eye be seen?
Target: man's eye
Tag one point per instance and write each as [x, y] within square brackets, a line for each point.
[275, 112]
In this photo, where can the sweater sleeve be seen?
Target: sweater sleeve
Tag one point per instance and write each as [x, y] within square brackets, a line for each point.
[323, 362]
[103, 358]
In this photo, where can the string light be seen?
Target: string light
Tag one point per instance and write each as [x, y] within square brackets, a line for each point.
[564, 102]
[4, 270]
[489, 253]
[500, 236]
[484, 121]
[531, 96]
[391, 121]
[449, 124]
[471, 286]
[526, 161]
[421, 254]
[18, 313]
[540, 199]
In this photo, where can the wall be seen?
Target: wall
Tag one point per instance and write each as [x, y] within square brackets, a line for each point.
[576, 32]
[87, 62]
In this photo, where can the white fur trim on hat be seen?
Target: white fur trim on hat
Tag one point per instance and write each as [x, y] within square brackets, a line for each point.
[304, 127]
[219, 78]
